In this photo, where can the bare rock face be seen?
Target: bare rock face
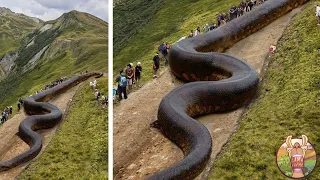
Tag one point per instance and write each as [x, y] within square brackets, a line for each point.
[7, 64]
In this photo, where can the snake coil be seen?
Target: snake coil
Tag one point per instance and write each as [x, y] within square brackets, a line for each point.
[224, 83]
[42, 115]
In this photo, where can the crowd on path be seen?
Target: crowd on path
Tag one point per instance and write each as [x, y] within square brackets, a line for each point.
[126, 79]
[223, 18]
[5, 114]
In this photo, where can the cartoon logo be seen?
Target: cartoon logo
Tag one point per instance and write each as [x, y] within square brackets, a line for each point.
[296, 158]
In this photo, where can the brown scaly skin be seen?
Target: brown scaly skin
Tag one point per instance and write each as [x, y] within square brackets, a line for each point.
[43, 115]
[196, 59]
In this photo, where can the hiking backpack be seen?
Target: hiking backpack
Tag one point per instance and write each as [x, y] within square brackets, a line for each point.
[123, 81]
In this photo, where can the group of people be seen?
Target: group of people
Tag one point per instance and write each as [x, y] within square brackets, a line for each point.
[163, 49]
[5, 114]
[97, 94]
[54, 83]
[223, 18]
[127, 78]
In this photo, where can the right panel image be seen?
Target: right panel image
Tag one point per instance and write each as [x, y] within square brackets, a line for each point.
[216, 89]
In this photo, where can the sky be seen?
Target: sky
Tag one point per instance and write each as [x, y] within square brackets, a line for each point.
[52, 9]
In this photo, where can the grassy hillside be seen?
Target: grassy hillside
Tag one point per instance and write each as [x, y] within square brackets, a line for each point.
[127, 24]
[76, 42]
[80, 148]
[291, 107]
[13, 28]
[172, 21]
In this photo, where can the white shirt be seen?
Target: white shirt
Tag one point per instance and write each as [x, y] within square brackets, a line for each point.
[318, 11]
[197, 33]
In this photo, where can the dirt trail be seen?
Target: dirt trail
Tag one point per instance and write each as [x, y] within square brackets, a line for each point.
[11, 145]
[140, 151]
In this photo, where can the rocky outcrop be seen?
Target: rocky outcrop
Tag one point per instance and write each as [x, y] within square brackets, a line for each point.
[7, 64]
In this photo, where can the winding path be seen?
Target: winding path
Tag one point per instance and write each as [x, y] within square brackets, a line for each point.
[13, 148]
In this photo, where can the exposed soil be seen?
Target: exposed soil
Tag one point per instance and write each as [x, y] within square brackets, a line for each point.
[140, 151]
[11, 145]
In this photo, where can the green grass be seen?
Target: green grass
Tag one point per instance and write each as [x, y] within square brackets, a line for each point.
[291, 107]
[79, 150]
[172, 21]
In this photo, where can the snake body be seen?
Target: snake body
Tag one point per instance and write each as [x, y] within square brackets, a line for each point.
[42, 115]
[218, 82]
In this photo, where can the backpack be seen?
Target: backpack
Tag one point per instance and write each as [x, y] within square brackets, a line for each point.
[123, 81]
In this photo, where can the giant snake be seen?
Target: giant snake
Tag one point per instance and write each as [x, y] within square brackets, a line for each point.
[42, 115]
[223, 82]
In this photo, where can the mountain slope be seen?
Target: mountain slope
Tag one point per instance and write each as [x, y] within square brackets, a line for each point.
[127, 24]
[73, 43]
[13, 28]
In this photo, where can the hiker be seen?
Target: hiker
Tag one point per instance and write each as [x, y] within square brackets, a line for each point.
[250, 5]
[122, 85]
[20, 100]
[318, 13]
[165, 54]
[138, 71]
[97, 94]
[272, 50]
[94, 82]
[129, 74]
[132, 69]
[232, 13]
[223, 19]
[4, 116]
[19, 106]
[213, 27]
[197, 31]
[219, 19]
[114, 93]
[91, 85]
[206, 28]
[104, 100]
[191, 34]
[10, 110]
[156, 65]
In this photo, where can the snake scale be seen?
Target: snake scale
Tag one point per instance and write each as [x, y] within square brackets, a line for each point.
[42, 115]
[217, 82]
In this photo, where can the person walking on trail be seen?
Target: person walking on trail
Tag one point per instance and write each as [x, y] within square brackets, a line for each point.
[122, 85]
[165, 54]
[20, 100]
[318, 13]
[4, 116]
[219, 19]
[97, 94]
[10, 110]
[138, 71]
[191, 34]
[156, 65]
[197, 31]
[129, 74]
[132, 68]
[19, 106]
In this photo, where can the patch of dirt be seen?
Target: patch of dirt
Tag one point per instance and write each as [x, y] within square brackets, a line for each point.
[140, 151]
[11, 145]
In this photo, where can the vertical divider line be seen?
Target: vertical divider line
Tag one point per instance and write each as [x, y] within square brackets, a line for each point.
[110, 89]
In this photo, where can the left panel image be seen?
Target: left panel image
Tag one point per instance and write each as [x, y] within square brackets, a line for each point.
[53, 92]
